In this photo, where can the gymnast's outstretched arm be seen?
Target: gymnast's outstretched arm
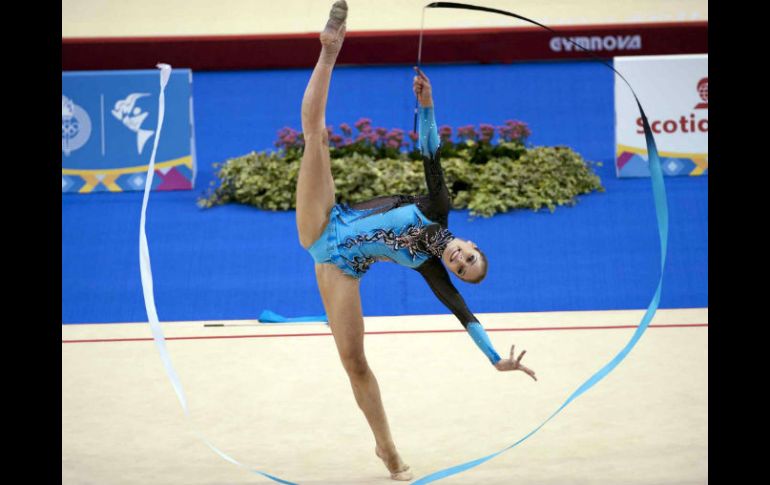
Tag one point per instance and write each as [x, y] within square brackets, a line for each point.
[437, 277]
[437, 208]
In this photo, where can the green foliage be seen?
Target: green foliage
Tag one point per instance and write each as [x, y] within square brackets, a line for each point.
[482, 176]
[265, 180]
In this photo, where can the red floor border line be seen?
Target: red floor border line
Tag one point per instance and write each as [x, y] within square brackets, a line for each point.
[328, 334]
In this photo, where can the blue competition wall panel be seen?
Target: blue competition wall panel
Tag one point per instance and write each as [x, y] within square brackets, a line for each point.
[232, 262]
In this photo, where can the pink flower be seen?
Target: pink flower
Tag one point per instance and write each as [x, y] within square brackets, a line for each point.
[487, 132]
[520, 125]
[467, 132]
[514, 130]
[414, 136]
[381, 131]
[445, 132]
[346, 129]
[284, 134]
[288, 138]
[363, 123]
[396, 134]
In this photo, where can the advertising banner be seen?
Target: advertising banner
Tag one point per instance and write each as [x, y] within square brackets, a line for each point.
[674, 93]
[108, 131]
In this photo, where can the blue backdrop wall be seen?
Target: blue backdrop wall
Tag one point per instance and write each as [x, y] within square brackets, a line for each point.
[232, 262]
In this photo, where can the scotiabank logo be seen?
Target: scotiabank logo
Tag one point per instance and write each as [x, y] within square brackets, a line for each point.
[682, 125]
[703, 92]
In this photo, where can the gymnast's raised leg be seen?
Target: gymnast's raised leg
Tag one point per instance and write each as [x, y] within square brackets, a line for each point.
[339, 292]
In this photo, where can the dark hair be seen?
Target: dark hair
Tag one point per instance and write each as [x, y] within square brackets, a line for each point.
[486, 266]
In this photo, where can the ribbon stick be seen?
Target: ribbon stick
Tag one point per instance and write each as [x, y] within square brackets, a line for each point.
[147, 285]
[661, 211]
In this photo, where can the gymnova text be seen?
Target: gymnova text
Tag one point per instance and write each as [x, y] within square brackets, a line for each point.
[597, 43]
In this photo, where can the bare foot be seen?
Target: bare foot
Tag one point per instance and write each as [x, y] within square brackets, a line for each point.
[334, 32]
[397, 468]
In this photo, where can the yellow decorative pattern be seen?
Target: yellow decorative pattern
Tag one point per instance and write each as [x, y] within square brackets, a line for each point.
[699, 160]
[122, 171]
[702, 164]
[109, 177]
[91, 182]
[642, 151]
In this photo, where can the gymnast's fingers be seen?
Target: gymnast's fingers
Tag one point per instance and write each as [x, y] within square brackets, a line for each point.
[513, 357]
[529, 371]
[520, 356]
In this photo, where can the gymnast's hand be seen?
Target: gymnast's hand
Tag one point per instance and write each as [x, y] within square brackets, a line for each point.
[515, 364]
[422, 90]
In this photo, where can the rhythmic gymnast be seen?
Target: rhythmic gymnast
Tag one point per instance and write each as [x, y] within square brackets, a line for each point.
[406, 229]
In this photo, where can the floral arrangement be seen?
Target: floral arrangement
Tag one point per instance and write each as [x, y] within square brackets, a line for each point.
[488, 169]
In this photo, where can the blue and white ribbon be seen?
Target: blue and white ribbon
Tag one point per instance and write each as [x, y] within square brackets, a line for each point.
[147, 286]
[661, 211]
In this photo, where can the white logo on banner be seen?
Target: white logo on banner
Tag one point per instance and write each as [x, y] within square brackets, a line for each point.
[75, 126]
[133, 117]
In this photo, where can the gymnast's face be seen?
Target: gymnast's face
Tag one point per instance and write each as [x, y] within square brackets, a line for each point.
[464, 259]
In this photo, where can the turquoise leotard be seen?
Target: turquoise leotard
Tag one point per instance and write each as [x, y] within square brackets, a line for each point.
[355, 239]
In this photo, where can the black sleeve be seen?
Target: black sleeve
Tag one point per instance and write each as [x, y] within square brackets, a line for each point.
[436, 206]
[437, 277]
[384, 203]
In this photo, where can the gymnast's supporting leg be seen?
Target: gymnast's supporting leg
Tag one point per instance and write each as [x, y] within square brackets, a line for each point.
[339, 292]
[342, 301]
